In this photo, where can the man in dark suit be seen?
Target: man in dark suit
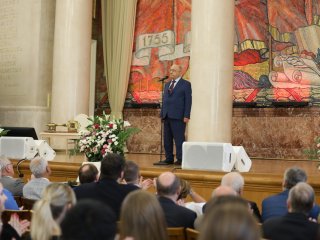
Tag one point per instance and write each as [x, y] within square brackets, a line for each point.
[295, 225]
[108, 190]
[276, 205]
[175, 113]
[168, 190]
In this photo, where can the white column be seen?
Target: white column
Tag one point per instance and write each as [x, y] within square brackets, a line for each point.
[71, 59]
[211, 66]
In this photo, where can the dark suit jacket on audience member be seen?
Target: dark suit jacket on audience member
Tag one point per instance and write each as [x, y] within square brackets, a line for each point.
[177, 216]
[276, 206]
[292, 226]
[255, 210]
[107, 191]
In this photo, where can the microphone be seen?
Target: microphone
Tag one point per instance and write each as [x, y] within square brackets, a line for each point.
[162, 79]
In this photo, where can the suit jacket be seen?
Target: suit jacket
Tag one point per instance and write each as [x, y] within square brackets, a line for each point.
[34, 188]
[292, 226]
[14, 185]
[276, 206]
[107, 191]
[177, 216]
[177, 105]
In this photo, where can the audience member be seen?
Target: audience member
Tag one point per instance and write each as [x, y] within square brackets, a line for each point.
[10, 203]
[142, 217]
[276, 205]
[14, 185]
[132, 175]
[40, 172]
[295, 224]
[236, 182]
[89, 219]
[197, 201]
[108, 190]
[168, 189]
[229, 217]
[14, 228]
[88, 173]
[49, 211]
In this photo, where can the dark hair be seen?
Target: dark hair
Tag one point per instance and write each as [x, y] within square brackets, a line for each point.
[168, 190]
[89, 219]
[131, 172]
[294, 175]
[87, 173]
[111, 166]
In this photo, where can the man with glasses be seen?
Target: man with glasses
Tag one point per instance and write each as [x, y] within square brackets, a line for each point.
[14, 185]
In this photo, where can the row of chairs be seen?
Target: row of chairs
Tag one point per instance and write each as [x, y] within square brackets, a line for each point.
[180, 233]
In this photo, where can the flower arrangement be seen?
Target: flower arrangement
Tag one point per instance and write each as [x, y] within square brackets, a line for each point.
[314, 153]
[103, 136]
[3, 132]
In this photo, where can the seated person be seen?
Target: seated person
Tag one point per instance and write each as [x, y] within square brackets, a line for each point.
[14, 185]
[276, 205]
[88, 173]
[131, 175]
[41, 171]
[168, 189]
[89, 219]
[197, 201]
[295, 224]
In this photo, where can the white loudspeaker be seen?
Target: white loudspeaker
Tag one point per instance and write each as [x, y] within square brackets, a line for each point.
[208, 156]
[18, 147]
[243, 162]
[44, 150]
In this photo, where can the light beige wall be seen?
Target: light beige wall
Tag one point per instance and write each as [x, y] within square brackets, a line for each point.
[26, 48]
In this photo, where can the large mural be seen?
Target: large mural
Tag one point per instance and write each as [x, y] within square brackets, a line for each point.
[276, 50]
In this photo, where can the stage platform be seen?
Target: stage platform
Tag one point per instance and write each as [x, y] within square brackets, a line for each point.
[264, 178]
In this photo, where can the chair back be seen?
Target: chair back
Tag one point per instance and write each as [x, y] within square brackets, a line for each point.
[176, 233]
[23, 214]
[192, 234]
[27, 203]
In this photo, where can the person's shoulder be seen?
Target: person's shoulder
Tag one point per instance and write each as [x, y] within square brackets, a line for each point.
[272, 198]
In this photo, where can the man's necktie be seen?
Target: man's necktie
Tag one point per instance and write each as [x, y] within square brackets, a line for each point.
[171, 86]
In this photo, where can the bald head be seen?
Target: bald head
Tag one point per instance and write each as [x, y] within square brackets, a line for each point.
[223, 191]
[167, 184]
[233, 180]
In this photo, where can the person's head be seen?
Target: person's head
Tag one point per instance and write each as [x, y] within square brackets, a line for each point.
[112, 166]
[88, 173]
[39, 167]
[223, 191]
[228, 217]
[3, 199]
[301, 198]
[175, 71]
[233, 180]
[89, 219]
[168, 185]
[6, 167]
[292, 176]
[185, 189]
[131, 172]
[49, 211]
[142, 217]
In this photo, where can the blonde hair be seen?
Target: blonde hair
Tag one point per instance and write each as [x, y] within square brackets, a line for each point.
[142, 217]
[49, 211]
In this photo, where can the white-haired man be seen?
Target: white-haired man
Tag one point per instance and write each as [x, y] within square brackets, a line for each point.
[41, 171]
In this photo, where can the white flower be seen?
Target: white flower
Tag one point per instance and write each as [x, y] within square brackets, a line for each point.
[126, 124]
[1, 130]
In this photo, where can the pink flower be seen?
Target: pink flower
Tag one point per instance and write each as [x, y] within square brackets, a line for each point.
[110, 125]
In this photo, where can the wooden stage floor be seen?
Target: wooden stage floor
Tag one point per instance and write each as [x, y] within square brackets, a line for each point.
[263, 166]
